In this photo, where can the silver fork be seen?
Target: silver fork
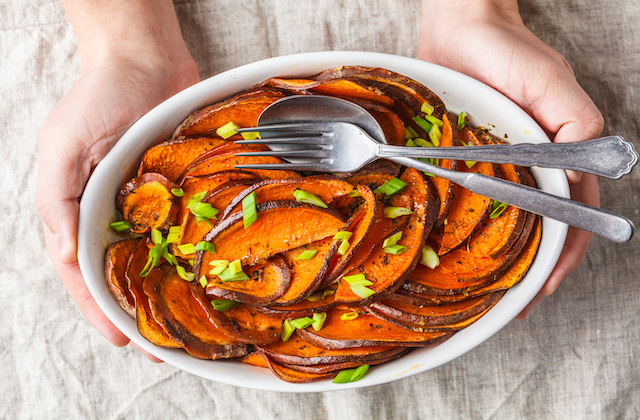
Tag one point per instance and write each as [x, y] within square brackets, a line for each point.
[345, 147]
[317, 147]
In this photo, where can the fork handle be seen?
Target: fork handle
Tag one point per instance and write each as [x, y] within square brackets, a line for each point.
[591, 219]
[611, 156]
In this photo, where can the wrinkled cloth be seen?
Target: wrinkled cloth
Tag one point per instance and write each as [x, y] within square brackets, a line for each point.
[576, 356]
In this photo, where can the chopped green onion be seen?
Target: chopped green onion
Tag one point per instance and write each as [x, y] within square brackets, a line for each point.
[216, 271]
[318, 320]
[354, 278]
[191, 262]
[205, 246]
[120, 226]
[410, 143]
[343, 234]
[301, 323]
[171, 259]
[410, 133]
[393, 212]
[227, 275]
[204, 210]
[174, 234]
[287, 330]
[184, 274]
[344, 247]
[156, 236]
[435, 135]
[422, 123]
[218, 263]
[203, 281]
[153, 259]
[361, 290]
[422, 142]
[392, 240]
[429, 257]
[235, 266]
[354, 193]
[187, 249]
[178, 192]
[350, 375]
[307, 197]
[196, 198]
[349, 316]
[223, 305]
[434, 120]
[306, 255]
[249, 210]
[461, 120]
[227, 130]
[395, 249]
[497, 209]
[320, 295]
[427, 108]
[391, 187]
[250, 135]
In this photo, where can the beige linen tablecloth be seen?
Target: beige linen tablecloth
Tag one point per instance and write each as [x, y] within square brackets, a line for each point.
[576, 356]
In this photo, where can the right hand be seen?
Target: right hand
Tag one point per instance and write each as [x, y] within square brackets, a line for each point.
[116, 87]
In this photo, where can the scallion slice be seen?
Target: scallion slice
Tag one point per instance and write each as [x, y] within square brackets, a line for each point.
[434, 120]
[427, 108]
[187, 249]
[391, 187]
[249, 209]
[156, 236]
[343, 234]
[395, 249]
[250, 135]
[461, 120]
[354, 278]
[174, 234]
[420, 142]
[422, 123]
[178, 192]
[223, 305]
[392, 240]
[287, 330]
[203, 281]
[410, 143]
[429, 257]
[410, 132]
[350, 375]
[153, 259]
[308, 198]
[306, 255]
[361, 290]
[349, 316]
[205, 246]
[435, 135]
[184, 274]
[497, 208]
[120, 226]
[318, 320]
[344, 247]
[393, 212]
[227, 275]
[227, 130]
[301, 323]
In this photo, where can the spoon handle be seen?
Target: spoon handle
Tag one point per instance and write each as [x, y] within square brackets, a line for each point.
[591, 219]
[610, 157]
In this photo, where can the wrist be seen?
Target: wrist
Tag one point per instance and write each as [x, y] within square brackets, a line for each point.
[142, 31]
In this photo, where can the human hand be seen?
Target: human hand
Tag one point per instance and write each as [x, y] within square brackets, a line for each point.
[120, 80]
[487, 40]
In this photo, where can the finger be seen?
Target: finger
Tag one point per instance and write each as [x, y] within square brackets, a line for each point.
[74, 283]
[150, 356]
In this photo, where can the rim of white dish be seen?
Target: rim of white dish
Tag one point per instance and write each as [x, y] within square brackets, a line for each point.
[97, 207]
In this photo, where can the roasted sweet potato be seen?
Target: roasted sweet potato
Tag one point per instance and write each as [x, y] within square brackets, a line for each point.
[116, 261]
[446, 188]
[171, 157]
[242, 109]
[387, 271]
[146, 202]
[267, 282]
[365, 330]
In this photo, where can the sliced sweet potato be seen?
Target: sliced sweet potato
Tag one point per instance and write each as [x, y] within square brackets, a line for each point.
[149, 327]
[146, 202]
[365, 330]
[464, 323]
[445, 187]
[116, 261]
[189, 318]
[252, 326]
[291, 375]
[171, 157]
[255, 359]
[387, 271]
[242, 109]
[280, 226]
[297, 351]
[300, 309]
[327, 188]
[433, 315]
[498, 234]
[223, 158]
[267, 282]
[306, 274]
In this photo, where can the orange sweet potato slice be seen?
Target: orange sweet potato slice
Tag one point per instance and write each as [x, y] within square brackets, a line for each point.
[386, 271]
[302, 308]
[252, 326]
[327, 188]
[116, 261]
[267, 282]
[433, 315]
[306, 275]
[146, 202]
[189, 318]
[148, 326]
[280, 226]
[171, 157]
[366, 330]
[291, 375]
[445, 187]
[242, 109]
